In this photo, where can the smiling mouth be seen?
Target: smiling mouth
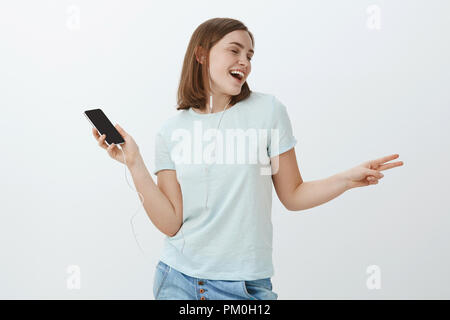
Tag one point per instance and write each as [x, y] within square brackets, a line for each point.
[236, 76]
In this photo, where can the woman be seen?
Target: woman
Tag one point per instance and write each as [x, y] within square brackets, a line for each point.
[215, 205]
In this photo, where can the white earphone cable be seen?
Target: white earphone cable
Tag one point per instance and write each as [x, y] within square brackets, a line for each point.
[141, 197]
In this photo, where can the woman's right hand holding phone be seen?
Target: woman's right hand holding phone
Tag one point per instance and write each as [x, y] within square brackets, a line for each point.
[130, 148]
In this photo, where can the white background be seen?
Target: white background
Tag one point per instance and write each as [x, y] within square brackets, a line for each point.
[353, 94]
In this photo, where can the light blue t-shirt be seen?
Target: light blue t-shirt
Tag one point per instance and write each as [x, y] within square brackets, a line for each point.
[227, 227]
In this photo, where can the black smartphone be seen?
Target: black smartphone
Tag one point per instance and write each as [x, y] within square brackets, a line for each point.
[101, 122]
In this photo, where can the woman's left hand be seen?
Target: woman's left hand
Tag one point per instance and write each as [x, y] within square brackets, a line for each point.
[368, 172]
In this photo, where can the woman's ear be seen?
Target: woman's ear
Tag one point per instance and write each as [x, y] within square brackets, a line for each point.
[201, 60]
[199, 55]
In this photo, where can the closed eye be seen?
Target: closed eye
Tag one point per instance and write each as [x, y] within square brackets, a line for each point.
[249, 58]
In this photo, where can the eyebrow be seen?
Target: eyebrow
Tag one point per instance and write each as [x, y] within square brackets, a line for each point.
[241, 46]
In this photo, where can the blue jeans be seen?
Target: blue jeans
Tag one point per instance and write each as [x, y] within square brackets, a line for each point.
[170, 284]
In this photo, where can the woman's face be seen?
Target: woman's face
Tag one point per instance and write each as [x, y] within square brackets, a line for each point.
[232, 53]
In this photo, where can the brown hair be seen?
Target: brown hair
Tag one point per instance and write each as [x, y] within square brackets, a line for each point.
[191, 91]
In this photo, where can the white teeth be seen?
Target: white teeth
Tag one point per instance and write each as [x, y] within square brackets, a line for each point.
[237, 72]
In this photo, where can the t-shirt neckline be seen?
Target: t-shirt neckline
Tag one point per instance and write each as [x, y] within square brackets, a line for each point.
[215, 113]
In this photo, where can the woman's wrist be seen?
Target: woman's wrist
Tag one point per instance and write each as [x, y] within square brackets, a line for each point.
[135, 163]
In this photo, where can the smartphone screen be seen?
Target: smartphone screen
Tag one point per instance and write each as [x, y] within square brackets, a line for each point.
[101, 122]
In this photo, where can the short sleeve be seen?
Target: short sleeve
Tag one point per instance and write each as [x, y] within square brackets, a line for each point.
[162, 155]
[281, 139]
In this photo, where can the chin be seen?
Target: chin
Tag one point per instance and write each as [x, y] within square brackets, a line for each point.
[235, 91]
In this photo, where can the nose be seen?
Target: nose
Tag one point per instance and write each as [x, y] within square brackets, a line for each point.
[243, 59]
[243, 62]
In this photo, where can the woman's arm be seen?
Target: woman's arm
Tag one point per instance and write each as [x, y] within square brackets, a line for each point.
[298, 195]
[162, 202]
